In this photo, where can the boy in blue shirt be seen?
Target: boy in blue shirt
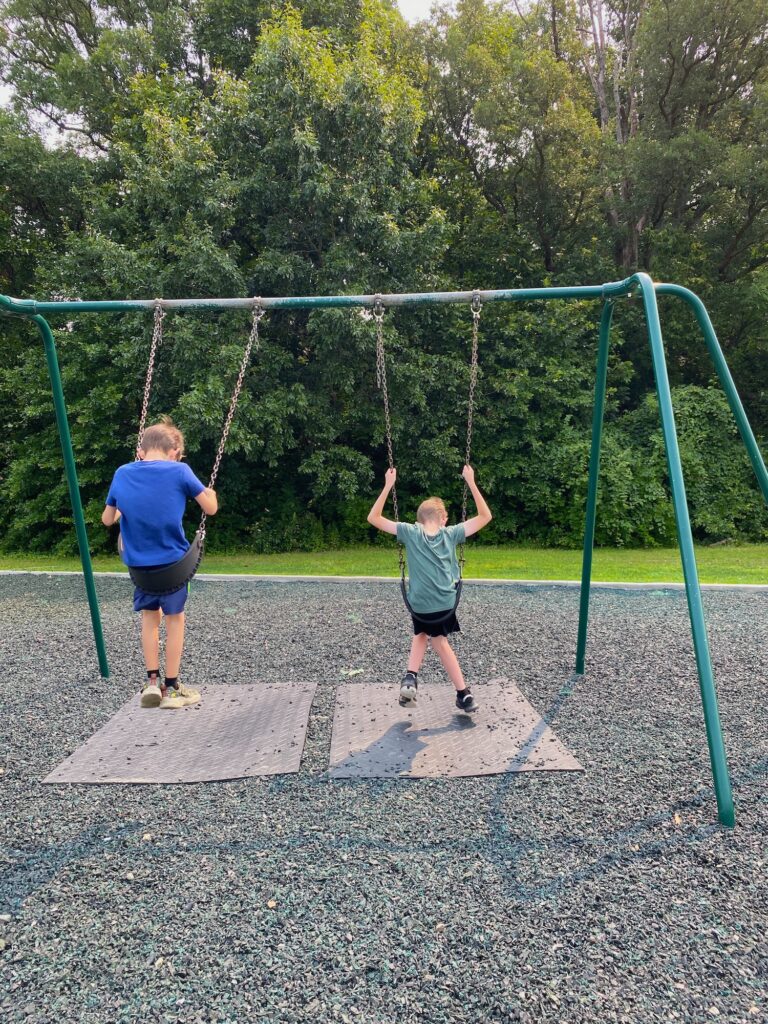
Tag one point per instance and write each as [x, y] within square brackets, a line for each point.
[148, 497]
[430, 547]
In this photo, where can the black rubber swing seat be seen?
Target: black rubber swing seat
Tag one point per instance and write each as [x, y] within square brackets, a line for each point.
[170, 577]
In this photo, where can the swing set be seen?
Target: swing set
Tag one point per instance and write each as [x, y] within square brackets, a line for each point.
[381, 383]
[639, 284]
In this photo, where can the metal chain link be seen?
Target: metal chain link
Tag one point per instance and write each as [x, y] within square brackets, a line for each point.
[157, 337]
[253, 345]
[381, 384]
[477, 306]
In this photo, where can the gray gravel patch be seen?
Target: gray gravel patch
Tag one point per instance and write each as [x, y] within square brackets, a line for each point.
[610, 895]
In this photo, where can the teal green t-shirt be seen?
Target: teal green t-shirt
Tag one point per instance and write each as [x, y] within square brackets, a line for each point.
[433, 568]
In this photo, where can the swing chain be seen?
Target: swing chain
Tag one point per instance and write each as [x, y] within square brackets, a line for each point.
[253, 345]
[477, 306]
[476, 309]
[381, 384]
[157, 337]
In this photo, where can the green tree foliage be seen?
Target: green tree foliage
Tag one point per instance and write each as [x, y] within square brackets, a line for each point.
[245, 188]
[319, 147]
[517, 121]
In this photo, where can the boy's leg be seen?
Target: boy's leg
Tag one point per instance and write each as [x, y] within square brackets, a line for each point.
[464, 699]
[174, 644]
[176, 695]
[418, 650]
[450, 662]
[409, 685]
[151, 694]
[150, 639]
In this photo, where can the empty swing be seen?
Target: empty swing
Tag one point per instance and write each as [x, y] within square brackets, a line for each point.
[381, 383]
[171, 577]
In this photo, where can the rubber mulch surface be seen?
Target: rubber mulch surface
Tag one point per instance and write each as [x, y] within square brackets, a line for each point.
[608, 895]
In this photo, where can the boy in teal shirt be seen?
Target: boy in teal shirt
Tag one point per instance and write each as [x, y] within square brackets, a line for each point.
[430, 547]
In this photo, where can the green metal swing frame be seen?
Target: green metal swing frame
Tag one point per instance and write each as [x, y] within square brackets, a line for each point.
[637, 285]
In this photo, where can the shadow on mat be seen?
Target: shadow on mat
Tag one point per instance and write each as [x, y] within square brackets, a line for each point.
[393, 755]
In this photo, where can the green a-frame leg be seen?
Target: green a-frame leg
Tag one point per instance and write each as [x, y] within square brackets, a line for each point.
[649, 292]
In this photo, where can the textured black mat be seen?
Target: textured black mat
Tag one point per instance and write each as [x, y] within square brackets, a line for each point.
[374, 738]
[234, 732]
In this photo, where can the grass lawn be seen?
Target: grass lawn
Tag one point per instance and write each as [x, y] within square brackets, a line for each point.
[727, 563]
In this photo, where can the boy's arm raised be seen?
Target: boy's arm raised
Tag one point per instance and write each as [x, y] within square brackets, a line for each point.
[484, 515]
[375, 517]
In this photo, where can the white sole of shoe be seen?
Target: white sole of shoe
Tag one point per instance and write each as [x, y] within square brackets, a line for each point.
[151, 697]
[179, 702]
[407, 695]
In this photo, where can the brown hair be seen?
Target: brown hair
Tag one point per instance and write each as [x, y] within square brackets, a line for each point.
[431, 509]
[164, 435]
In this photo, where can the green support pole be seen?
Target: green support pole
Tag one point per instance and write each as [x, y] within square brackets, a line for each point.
[725, 378]
[74, 489]
[598, 413]
[690, 573]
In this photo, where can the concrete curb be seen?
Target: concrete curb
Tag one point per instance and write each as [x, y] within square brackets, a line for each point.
[218, 577]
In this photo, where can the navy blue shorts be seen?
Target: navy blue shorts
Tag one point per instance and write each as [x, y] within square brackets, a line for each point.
[171, 604]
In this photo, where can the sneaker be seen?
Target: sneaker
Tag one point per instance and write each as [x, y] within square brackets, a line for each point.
[465, 701]
[408, 688]
[151, 694]
[179, 696]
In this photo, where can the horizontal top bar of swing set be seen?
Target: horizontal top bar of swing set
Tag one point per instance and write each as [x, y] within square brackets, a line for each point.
[30, 307]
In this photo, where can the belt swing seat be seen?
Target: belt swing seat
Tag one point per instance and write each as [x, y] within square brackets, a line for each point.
[381, 383]
[169, 578]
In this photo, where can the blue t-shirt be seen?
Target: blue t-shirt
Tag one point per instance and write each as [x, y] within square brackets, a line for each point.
[151, 497]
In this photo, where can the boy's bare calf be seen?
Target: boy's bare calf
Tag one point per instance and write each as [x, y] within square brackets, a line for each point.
[441, 646]
[174, 640]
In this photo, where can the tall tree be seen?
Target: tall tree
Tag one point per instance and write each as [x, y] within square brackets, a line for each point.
[297, 177]
[518, 119]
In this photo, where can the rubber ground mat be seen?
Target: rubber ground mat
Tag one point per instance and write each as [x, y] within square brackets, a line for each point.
[234, 732]
[374, 738]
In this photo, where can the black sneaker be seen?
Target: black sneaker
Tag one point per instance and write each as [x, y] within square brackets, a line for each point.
[408, 688]
[465, 701]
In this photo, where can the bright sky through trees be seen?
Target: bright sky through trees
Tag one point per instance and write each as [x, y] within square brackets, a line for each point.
[414, 10]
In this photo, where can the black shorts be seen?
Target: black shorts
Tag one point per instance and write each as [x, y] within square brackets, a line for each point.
[424, 622]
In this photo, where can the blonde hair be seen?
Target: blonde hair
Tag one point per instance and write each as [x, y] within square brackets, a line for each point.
[431, 509]
[164, 435]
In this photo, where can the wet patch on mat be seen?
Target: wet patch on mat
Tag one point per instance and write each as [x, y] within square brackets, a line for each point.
[234, 732]
[374, 738]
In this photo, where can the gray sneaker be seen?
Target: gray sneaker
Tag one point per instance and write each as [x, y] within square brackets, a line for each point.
[408, 690]
[465, 701]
